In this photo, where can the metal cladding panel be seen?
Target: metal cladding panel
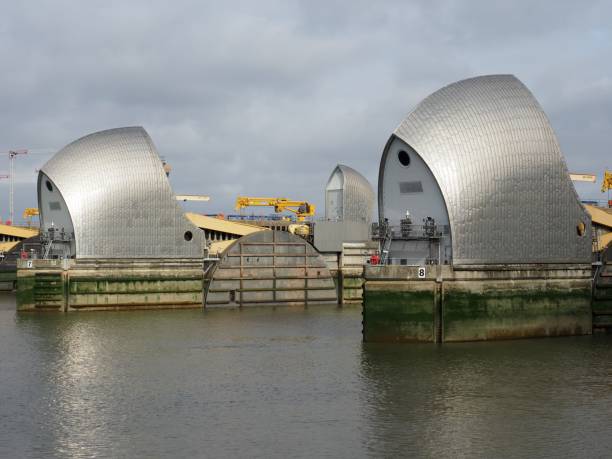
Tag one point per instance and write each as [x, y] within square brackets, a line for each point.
[120, 199]
[357, 196]
[500, 169]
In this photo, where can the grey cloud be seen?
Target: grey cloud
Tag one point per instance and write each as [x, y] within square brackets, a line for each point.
[266, 97]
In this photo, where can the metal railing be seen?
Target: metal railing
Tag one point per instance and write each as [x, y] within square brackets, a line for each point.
[53, 236]
[428, 232]
[409, 231]
[420, 261]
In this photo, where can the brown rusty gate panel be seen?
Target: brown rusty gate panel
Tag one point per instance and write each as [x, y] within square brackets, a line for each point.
[273, 268]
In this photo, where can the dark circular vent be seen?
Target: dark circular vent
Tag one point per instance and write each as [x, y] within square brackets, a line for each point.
[404, 158]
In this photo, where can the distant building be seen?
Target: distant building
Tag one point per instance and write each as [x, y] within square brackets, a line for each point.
[348, 196]
[107, 195]
[349, 202]
[479, 160]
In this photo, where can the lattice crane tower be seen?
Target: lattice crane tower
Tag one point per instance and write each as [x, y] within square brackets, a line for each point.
[12, 154]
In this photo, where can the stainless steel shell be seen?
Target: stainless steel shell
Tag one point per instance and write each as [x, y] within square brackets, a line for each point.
[357, 194]
[500, 169]
[119, 198]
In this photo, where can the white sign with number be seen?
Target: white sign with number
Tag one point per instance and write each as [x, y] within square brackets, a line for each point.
[29, 264]
[422, 272]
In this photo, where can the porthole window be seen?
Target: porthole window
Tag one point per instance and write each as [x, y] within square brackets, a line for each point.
[188, 235]
[404, 158]
[580, 228]
[49, 186]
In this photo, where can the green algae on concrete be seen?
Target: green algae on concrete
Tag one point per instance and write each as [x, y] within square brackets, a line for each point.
[602, 321]
[603, 293]
[399, 312]
[352, 289]
[7, 280]
[602, 300]
[602, 307]
[480, 303]
[50, 290]
[44, 290]
[25, 291]
[515, 309]
[113, 288]
[134, 285]
[109, 285]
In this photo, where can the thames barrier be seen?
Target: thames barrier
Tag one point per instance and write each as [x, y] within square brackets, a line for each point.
[480, 233]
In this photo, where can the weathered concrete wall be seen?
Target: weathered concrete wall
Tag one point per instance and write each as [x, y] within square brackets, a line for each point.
[41, 284]
[353, 258]
[8, 279]
[105, 284]
[498, 309]
[347, 268]
[352, 286]
[602, 298]
[468, 305]
[399, 311]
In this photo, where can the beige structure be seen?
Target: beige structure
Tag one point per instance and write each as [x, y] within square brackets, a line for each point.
[602, 223]
[10, 236]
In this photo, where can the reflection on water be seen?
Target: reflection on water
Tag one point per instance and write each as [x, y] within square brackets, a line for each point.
[524, 398]
[288, 382]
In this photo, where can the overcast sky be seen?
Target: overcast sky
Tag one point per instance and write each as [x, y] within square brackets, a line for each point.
[266, 97]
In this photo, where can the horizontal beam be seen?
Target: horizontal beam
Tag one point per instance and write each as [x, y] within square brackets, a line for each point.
[583, 177]
[192, 197]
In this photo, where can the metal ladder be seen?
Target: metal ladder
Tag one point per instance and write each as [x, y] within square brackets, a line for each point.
[47, 249]
[384, 252]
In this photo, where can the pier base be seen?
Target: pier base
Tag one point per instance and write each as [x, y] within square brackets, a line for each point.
[500, 302]
[602, 298]
[8, 279]
[68, 285]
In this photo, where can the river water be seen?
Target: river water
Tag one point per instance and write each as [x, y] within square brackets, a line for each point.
[289, 382]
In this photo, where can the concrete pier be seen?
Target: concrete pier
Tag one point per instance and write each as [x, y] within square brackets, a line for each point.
[485, 303]
[69, 285]
[602, 297]
[8, 280]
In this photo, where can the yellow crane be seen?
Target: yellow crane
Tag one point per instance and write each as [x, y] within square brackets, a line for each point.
[301, 209]
[28, 213]
[607, 182]
[605, 185]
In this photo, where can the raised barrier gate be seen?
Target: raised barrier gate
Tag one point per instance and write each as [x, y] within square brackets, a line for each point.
[270, 268]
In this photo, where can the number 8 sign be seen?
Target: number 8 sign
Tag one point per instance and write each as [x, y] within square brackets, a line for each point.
[422, 272]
